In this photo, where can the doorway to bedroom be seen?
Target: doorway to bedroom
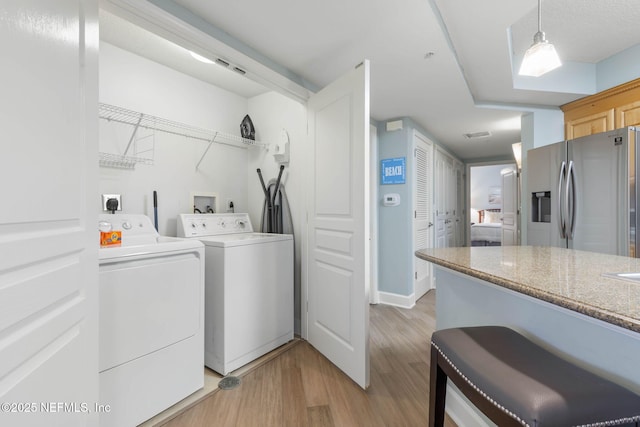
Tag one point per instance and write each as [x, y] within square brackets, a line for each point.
[493, 204]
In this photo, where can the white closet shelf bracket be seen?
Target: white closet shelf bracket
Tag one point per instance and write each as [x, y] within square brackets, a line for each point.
[133, 135]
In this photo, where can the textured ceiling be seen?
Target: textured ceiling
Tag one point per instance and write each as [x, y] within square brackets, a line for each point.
[582, 30]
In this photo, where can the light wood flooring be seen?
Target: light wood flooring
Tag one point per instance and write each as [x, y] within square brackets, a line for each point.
[300, 387]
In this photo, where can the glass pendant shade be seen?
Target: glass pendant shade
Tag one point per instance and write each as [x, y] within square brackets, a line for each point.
[540, 58]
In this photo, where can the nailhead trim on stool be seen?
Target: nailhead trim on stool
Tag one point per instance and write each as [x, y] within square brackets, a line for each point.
[496, 404]
[511, 414]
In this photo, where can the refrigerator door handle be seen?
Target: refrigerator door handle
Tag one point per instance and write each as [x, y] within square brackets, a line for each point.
[561, 224]
[570, 197]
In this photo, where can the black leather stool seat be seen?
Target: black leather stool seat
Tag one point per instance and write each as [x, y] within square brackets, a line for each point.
[516, 382]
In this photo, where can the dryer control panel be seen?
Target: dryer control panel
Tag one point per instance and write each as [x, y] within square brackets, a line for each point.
[135, 229]
[198, 225]
[131, 225]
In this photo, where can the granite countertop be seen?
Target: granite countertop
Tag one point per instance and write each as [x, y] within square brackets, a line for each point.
[565, 277]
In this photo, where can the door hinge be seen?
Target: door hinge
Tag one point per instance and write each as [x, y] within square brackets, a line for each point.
[415, 214]
[416, 274]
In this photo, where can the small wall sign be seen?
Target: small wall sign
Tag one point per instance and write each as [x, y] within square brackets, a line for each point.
[393, 171]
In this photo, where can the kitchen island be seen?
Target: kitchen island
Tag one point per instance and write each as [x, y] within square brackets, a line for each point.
[565, 300]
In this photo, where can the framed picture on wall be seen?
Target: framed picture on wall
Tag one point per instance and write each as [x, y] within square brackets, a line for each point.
[393, 171]
[495, 195]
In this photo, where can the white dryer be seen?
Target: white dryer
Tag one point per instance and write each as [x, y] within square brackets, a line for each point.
[151, 331]
[248, 288]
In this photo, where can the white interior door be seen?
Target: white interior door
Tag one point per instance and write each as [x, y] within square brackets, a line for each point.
[48, 221]
[440, 201]
[510, 208]
[337, 257]
[374, 297]
[459, 210]
[423, 212]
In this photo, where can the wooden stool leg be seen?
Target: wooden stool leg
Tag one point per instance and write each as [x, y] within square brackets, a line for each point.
[437, 391]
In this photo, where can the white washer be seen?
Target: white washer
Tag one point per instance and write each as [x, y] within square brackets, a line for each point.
[151, 302]
[248, 288]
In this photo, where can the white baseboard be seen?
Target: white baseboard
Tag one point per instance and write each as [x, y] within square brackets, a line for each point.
[397, 300]
[462, 412]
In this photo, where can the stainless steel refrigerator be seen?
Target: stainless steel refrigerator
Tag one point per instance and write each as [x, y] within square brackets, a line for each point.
[583, 193]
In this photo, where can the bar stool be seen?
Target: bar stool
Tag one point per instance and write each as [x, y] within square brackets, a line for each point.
[515, 382]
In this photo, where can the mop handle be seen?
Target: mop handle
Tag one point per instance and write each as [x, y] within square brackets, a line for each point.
[155, 208]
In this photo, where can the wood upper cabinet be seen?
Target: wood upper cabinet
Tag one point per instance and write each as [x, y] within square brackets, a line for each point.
[611, 109]
[628, 115]
[595, 123]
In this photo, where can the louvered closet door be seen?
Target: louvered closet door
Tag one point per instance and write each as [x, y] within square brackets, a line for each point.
[423, 211]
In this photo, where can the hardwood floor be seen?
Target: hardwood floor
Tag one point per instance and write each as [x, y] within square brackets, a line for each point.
[302, 388]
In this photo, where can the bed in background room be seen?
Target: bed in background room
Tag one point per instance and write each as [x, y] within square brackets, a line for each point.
[487, 231]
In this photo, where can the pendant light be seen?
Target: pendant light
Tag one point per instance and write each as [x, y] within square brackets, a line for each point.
[541, 57]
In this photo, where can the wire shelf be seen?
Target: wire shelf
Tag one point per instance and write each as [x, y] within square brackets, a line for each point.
[121, 162]
[134, 118]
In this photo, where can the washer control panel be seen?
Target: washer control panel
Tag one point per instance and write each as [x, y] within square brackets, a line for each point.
[197, 225]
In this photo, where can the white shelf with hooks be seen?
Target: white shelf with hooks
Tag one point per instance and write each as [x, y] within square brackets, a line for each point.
[139, 120]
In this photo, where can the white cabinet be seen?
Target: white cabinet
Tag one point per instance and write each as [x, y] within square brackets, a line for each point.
[449, 200]
[510, 208]
[441, 233]
[459, 211]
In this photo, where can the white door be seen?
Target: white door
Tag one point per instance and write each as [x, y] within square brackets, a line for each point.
[450, 185]
[510, 208]
[337, 258]
[48, 237]
[459, 211]
[440, 200]
[422, 212]
[445, 200]
[374, 297]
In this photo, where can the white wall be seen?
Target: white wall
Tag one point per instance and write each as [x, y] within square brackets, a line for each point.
[481, 180]
[270, 114]
[135, 83]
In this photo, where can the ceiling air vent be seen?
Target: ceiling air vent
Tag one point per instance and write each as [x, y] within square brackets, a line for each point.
[476, 135]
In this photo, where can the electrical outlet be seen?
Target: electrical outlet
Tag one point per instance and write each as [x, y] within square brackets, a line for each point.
[106, 197]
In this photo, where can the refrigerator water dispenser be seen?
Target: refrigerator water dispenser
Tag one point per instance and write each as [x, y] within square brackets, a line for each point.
[541, 206]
